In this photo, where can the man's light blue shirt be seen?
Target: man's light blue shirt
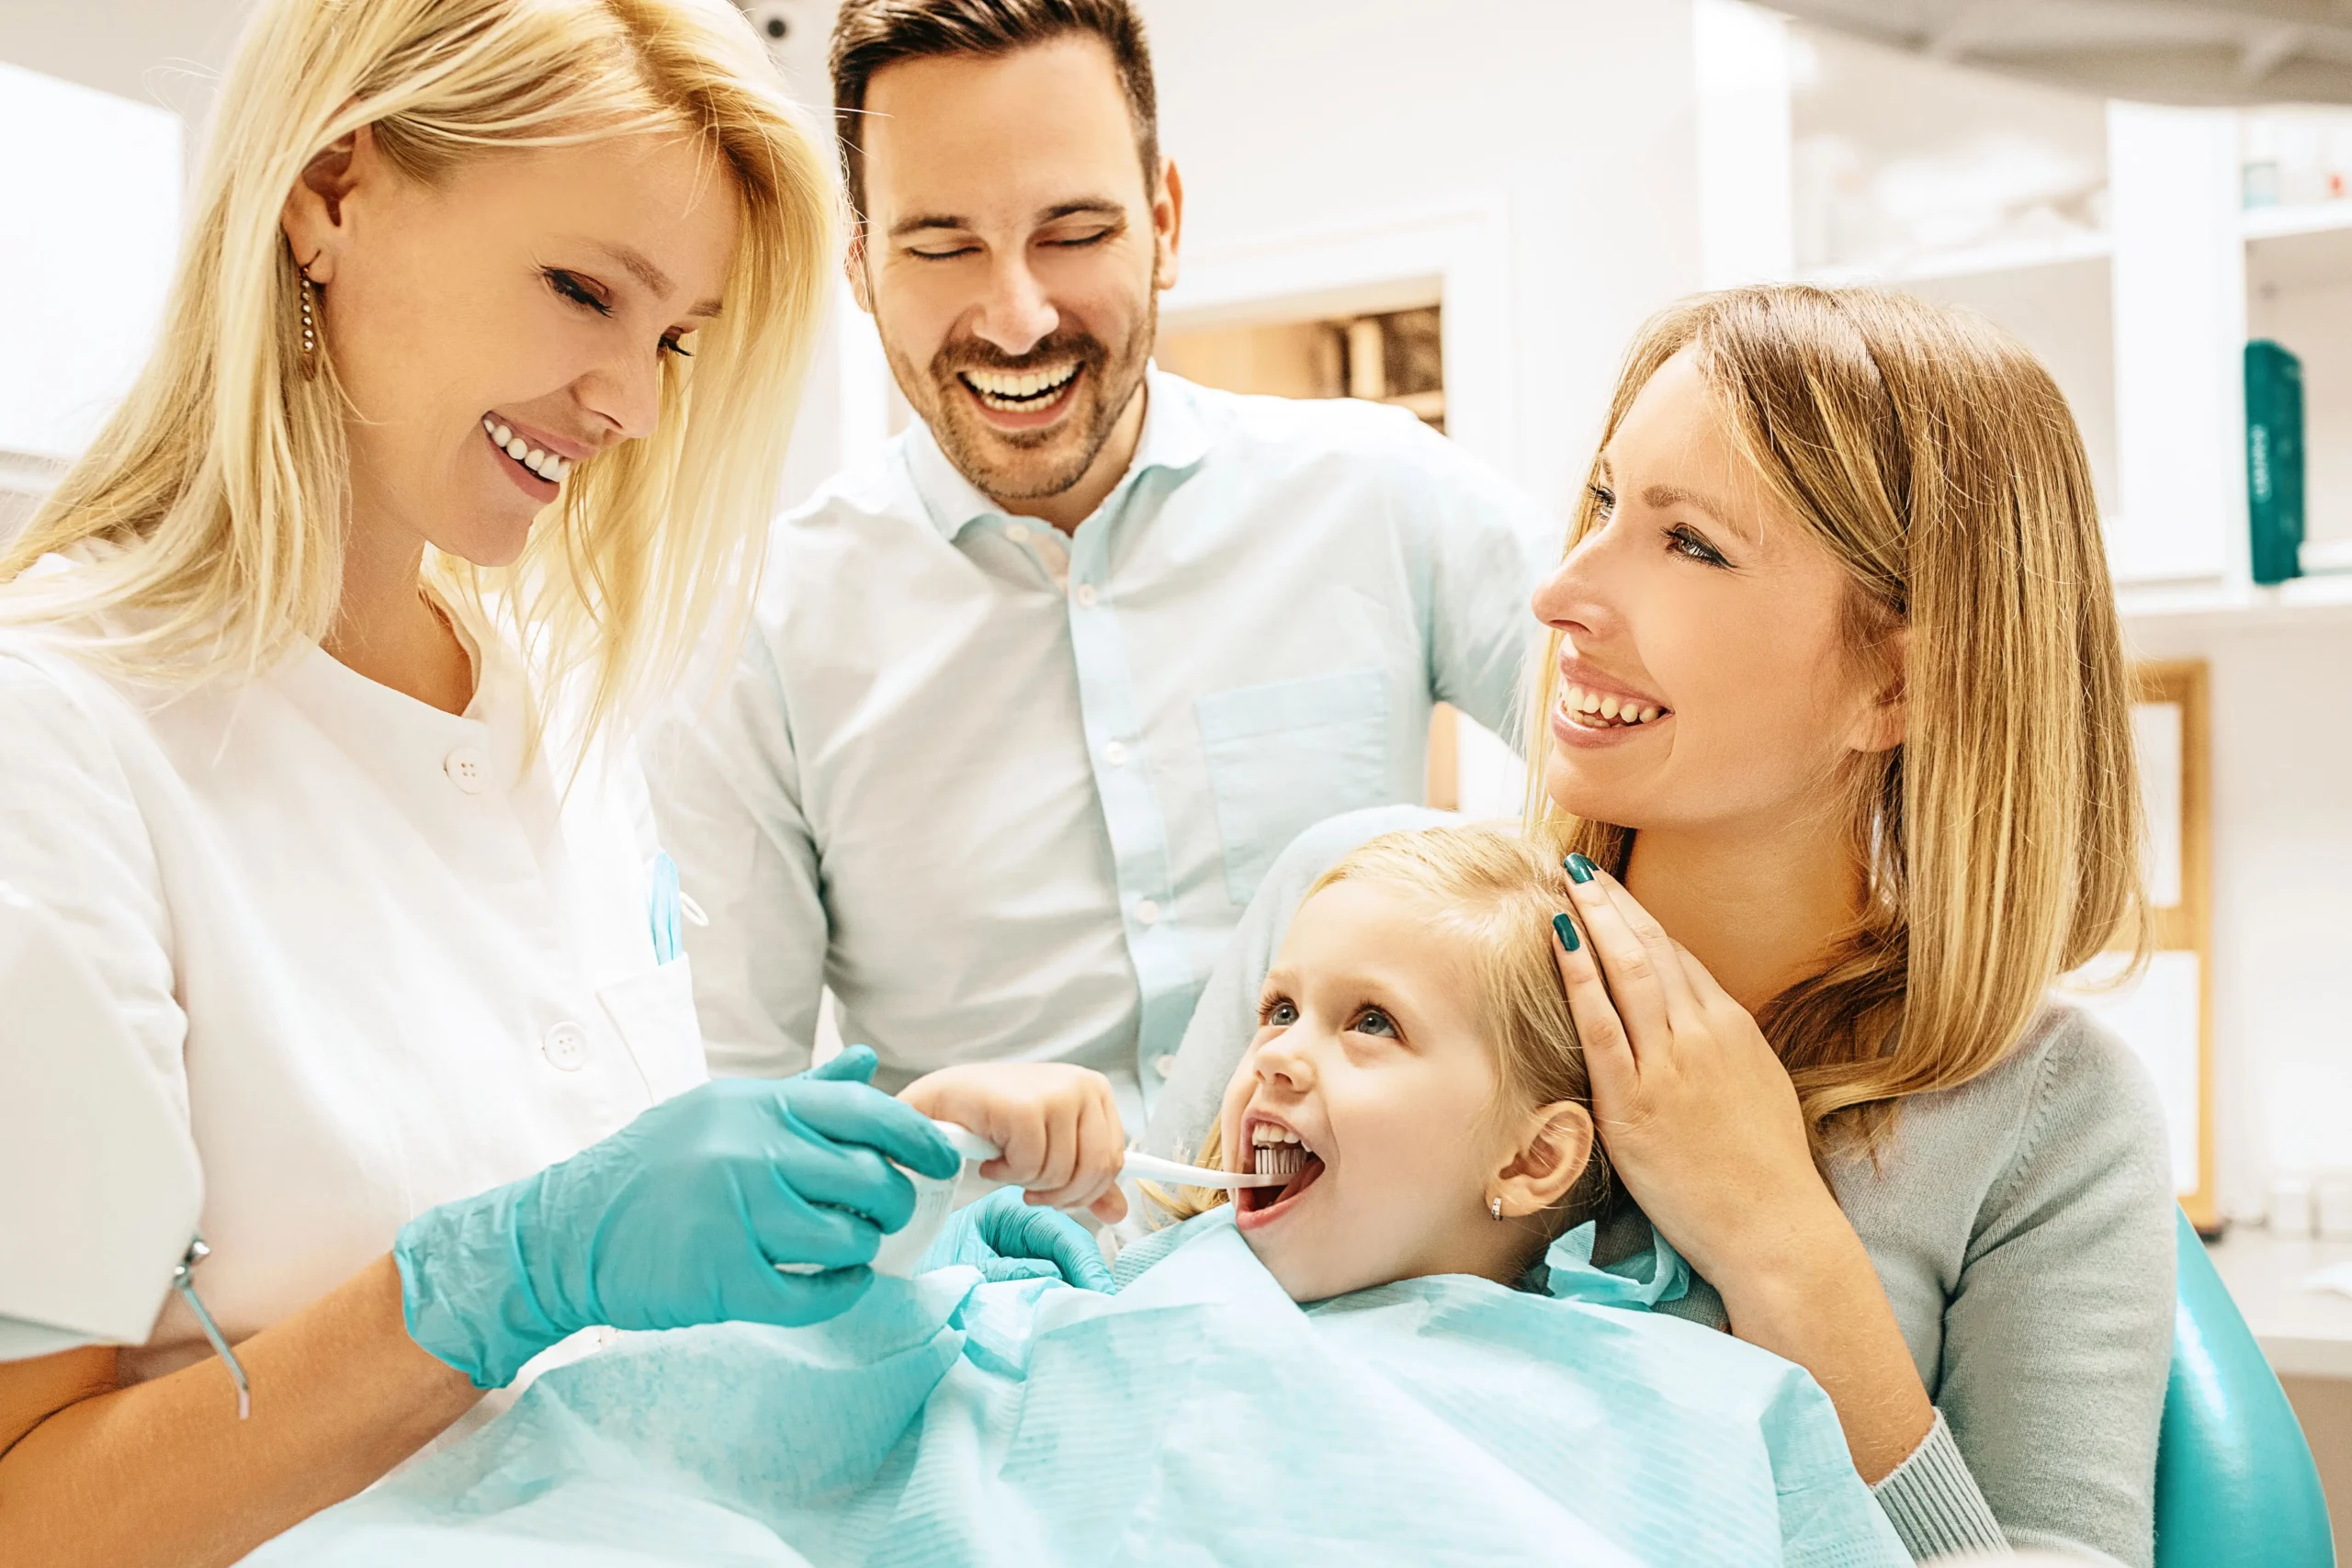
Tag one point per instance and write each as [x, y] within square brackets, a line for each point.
[1007, 793]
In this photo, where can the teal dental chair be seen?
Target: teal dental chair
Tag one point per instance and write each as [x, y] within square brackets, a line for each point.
[2235, 1485]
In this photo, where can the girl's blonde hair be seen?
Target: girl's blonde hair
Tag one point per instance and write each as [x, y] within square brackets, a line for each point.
[1498, 893]
[223, 472]
[1998, 845]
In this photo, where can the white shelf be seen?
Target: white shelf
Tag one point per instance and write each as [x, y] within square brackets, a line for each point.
[2304, 599]
[2280, 222]
[2303, 1333]
[1975, 262]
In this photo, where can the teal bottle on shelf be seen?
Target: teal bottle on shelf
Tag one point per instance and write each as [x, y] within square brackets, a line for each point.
[2274, 459]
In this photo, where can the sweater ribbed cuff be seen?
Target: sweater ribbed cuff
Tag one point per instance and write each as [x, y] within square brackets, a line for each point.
[1932, 1501]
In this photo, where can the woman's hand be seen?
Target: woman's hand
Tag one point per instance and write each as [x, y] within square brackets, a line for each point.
[1701, 1124]
[682, 1218]
[1059, 1126]
[1693, 1104]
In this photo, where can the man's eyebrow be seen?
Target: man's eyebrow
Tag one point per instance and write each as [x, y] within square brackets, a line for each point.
[637, 266]
[921, 220]
[1085, 206]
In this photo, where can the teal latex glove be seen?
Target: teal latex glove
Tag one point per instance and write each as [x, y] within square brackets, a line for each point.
[1006, 1238]
[679, 1218]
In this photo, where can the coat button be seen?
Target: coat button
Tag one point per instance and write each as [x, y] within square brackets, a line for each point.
[1084, 595]
[466, 768]
[1164, 1066]
[1018, 532]
[1148, 912]
[1116, 754]
[566, 1046]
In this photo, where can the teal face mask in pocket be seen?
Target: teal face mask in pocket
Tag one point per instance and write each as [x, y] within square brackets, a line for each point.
[1283, 756]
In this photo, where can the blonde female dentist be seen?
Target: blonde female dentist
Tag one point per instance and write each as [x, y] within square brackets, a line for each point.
[316, 676]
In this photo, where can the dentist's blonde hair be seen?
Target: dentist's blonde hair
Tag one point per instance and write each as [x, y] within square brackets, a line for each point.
[1998, 845]
[222, 476]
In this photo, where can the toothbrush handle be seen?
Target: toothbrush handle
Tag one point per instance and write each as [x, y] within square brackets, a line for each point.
[1158, 1169]
[974, 1147]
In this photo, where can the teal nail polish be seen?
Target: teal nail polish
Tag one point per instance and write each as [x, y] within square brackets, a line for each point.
[1579, 868]
[1566, 930]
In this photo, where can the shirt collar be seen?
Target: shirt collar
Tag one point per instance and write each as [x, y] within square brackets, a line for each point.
[1173, 438]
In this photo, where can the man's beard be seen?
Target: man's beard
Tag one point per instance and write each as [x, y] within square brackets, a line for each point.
[1050, 460]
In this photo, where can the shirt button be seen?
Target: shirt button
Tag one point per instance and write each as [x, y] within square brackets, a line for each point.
[565, 1047]
[1116, 754]
[1146, 912]
[1084, 595]
[1018, 532]
[466, 768]
[1164, 1066]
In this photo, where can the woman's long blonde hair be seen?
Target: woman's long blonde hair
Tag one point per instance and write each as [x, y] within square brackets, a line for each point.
[224, 473]
[1500, 892]
[1998, 845]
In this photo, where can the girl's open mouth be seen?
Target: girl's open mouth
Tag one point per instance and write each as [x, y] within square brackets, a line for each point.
[1274, 1150]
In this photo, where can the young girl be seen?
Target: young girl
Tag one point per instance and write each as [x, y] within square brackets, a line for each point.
[1461, 1384]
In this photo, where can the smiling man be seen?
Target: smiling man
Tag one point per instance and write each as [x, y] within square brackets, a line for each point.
[1032, 700]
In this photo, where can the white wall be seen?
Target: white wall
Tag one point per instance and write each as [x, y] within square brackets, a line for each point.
[2282, 906]
[87, 235]
[169, 53]
[1574, 118]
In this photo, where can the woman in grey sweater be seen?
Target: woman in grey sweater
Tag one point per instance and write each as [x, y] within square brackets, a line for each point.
[1835, 695]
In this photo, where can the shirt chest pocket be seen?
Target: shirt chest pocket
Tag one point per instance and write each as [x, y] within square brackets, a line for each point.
[654, 1013]
[1283, 756]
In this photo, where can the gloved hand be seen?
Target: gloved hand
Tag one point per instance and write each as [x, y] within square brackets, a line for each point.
[1007, 1238]
[679, 1218]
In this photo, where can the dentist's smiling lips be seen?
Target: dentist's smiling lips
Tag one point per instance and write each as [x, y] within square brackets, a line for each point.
[537, 462]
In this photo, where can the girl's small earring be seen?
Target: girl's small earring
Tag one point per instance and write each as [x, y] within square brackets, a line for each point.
[309, 330]
[1495, 1207]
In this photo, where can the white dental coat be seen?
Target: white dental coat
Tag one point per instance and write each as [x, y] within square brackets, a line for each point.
[378, 960]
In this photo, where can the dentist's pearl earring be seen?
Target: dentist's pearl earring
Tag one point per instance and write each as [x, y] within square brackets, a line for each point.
[309, 330]
[1495, 1207]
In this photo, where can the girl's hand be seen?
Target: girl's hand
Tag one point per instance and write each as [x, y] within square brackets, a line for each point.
[1691, 1102]
[1059, 1126]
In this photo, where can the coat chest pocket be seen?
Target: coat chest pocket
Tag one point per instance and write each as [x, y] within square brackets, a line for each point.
[1283, 756]
[654, 1013]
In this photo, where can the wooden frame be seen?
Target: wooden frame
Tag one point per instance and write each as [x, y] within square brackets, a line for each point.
[2147, 1011]
[2187, 925]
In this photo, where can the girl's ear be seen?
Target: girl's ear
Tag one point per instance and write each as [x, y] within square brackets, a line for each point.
[1553, 1151]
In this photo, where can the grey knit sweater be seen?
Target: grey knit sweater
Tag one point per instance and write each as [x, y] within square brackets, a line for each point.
[2022, 1225]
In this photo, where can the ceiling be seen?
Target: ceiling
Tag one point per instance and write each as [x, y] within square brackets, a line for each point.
[2185, 52]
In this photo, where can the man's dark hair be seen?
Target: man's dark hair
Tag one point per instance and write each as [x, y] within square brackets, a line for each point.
[871, 34]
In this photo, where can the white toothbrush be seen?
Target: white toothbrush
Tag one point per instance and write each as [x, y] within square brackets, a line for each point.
[972, 1147]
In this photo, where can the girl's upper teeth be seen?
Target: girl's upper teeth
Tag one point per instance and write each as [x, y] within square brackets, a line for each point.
[1607, 706]
[1265, 1133]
